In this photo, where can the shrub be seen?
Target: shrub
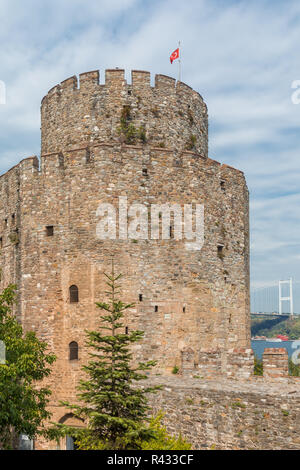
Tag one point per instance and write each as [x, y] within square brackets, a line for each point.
[294, 369]
[258, 366]
[163, 440]
[191, 142]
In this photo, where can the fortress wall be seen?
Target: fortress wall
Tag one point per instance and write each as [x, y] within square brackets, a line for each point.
[221, 414]
[9, 228]
[170, 112]
[230, 415]
[236, 364]
[275, 364]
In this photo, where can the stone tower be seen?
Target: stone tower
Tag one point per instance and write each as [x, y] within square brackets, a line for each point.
[149, 145]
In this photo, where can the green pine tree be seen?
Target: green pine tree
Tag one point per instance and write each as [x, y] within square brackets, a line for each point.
[22, 402]
[113, 406]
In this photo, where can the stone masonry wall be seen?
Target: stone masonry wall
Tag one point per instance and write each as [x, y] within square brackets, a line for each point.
[275, 362]
[237, 363]
[231, 415]
[212, 412]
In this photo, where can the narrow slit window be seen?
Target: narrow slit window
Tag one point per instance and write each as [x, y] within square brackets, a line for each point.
[5, 223]
[183, 309]
[13, 218]
[222, 184]
[156, 308]
[221, 251]
[73, 351]
[1, 242]
[126, 330]
[50, 231]
[74, 295]
[141, 298]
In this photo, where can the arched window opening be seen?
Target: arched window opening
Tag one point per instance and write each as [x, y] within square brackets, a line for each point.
[74, 297]
[69, 443]
[73, 351]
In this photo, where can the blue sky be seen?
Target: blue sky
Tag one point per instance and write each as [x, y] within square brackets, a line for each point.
[241, 56]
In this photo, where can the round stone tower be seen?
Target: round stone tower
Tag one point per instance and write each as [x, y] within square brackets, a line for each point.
[134, 143]
[140, 153]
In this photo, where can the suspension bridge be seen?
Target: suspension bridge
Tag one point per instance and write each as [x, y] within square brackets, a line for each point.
[280, 299]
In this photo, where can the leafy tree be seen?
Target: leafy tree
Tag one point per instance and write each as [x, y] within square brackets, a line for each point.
[274, 327]
[22, 403]
[294, 369]
[114, 408]
[163, 441]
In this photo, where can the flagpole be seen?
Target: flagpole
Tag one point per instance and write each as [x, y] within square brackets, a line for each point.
[179, 62]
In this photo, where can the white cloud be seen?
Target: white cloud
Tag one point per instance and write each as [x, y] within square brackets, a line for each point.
[241, 56]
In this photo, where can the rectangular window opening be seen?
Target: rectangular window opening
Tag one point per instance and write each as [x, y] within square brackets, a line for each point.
[222, 184]
[221, 251]
[141, 298]
[50, 231]
[156, 308]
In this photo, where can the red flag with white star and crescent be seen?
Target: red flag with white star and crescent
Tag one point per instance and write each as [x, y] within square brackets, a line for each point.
[174, 55]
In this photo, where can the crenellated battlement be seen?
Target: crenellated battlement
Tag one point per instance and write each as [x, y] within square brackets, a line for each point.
[83, 111]
[116, 78]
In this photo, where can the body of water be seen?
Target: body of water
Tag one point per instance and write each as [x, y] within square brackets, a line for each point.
[258, 346]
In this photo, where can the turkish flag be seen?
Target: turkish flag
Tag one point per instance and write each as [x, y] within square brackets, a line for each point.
[174, 55]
